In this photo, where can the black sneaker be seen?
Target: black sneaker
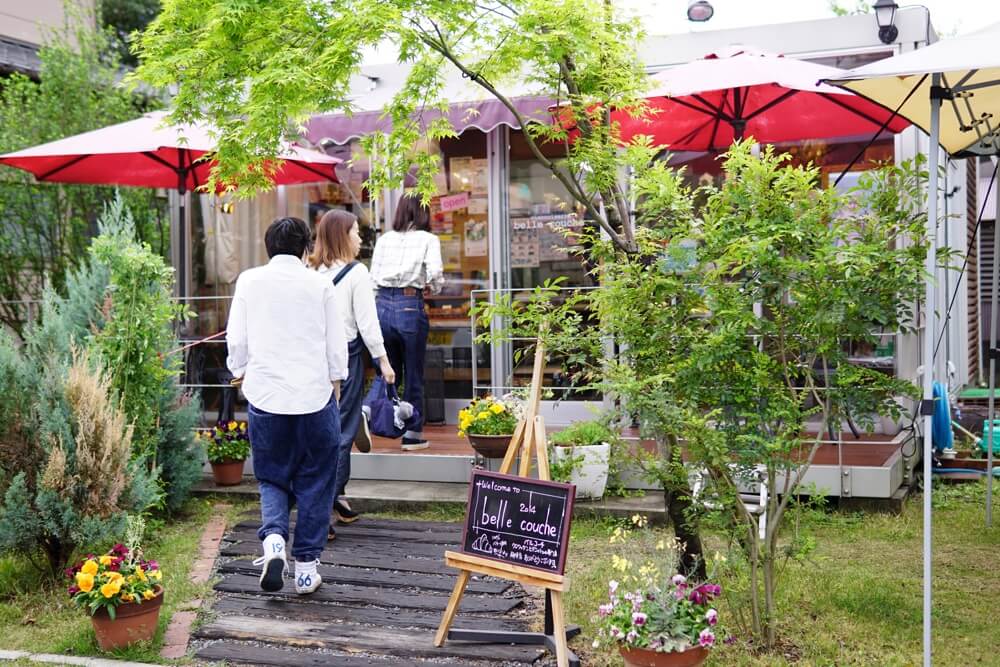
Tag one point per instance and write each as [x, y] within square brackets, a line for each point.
[331, 534]
[344, 513]
[363, 440]
[411, 444]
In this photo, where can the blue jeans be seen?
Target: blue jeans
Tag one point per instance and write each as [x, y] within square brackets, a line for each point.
[404, 328]
[351, 396]
[295, 462]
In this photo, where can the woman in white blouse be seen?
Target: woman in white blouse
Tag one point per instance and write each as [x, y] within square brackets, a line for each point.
[407, 260]
[337, 245]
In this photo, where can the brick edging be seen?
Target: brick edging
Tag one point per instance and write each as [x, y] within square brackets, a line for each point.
[175, 639]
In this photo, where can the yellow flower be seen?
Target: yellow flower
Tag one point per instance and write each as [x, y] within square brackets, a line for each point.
[115, 576]
[90, 567]
[483, 415]
[461, 434]
[497, 408]
[155, 574]
[232, 426]
[85, 581]
[148, 595]
[105, 560]
[127, 597]
[111, 588]
[462, 414]
[139, 574]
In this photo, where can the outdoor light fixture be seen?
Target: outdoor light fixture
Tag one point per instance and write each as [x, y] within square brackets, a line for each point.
[700, 11]
[885, 15]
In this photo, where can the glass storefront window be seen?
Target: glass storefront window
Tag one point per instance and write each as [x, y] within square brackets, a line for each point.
[543, 220]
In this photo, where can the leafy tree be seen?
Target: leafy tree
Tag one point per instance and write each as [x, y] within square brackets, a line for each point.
[255, 70]
[45, 228]
[123, 18]
[733, 328]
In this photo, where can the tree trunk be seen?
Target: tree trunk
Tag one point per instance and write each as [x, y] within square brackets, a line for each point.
[769, 631]
[677, 506]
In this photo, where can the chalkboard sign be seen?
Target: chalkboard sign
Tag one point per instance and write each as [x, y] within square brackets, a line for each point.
[518, 521]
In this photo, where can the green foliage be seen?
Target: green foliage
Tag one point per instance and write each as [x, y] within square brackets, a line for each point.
[46, 227]
[66, 478]
[178, 454]
[227, 442]
[258, 70]
[587, 432]
[122, 18]
[138, 332]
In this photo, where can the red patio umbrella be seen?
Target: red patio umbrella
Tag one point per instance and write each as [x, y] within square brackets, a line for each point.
[145, 152]
[707, 104]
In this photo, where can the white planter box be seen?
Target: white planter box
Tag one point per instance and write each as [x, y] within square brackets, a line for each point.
[591, 474]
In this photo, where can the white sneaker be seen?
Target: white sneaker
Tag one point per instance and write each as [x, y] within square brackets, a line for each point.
[272, 575]
[307, 579]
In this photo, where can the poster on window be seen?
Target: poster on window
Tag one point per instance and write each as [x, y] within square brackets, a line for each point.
[479, 176]
[476, 242]
[553, 246]
[524, 248]
[451, 251]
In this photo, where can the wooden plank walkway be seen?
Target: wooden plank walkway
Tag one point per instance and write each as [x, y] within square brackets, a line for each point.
[385, 586]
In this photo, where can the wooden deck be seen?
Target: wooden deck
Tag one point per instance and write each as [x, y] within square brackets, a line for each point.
[384, 588]
[871, 450]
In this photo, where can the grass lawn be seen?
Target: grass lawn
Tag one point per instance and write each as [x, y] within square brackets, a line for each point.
[40, 618]
[856, 599]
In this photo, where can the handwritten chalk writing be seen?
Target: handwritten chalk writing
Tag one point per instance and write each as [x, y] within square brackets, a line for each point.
[517, 520]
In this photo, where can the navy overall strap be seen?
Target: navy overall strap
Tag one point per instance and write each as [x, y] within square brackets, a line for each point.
[343, 272]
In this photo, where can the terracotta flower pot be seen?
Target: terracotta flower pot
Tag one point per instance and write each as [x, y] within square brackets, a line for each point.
[228, 472]
[133, 622]
[643, 657]
[490, 446]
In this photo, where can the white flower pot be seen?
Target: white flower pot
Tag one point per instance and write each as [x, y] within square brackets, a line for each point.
[591, 474]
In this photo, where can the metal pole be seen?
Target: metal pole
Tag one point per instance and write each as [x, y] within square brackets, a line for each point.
[930, 288]
[991, 410]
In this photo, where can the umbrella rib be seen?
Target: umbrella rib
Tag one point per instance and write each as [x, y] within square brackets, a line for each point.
[156, 158]
[871, 119]
[710, 110]
[307, 167]
[773, 103]
[65, 165]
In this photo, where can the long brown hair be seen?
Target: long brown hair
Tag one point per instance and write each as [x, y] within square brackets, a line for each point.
[333, 238]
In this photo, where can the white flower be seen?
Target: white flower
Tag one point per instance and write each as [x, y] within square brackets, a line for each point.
[612, 586]
[712, 616]
[678, 579]
[596, 644]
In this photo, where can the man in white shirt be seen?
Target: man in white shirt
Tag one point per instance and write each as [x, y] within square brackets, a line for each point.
[286, 341]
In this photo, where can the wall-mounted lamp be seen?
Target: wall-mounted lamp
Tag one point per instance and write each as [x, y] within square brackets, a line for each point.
[885, 17]
[700, 11]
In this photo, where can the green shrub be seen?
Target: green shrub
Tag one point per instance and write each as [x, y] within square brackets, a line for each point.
[591, 432]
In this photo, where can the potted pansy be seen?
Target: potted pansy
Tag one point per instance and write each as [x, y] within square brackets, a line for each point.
[488, 423]
[227, 446]
[670, 625]
[122, 592]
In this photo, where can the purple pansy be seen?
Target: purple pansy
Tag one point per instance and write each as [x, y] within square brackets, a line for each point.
[712, 617]
[639, 618]
[706, 638]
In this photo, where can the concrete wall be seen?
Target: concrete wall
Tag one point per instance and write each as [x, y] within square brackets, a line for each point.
[31, 22]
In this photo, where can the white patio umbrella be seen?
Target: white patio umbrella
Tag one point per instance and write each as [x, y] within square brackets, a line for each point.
[962, 75]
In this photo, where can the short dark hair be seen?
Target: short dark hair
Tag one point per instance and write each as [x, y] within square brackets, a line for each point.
[287, 236]
[411, 214]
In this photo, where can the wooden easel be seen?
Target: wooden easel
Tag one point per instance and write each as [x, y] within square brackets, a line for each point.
[528, 435]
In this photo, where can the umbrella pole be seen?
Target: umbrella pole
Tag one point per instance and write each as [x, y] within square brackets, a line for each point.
[991, 410]
[182, 236]
[927, 406]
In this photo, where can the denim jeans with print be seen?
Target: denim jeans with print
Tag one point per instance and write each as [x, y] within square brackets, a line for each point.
[404, 329]
[295, 462]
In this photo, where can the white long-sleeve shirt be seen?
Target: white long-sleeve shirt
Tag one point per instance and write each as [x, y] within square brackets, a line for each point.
[285, 337]
[356, 303]
[408, 259]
